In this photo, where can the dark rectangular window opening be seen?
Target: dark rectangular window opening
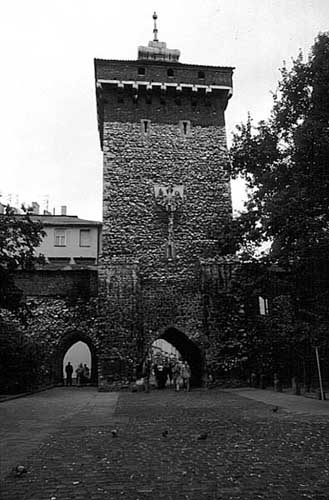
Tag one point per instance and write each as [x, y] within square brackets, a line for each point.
[145, 125]
[185, 127]
[170, 250]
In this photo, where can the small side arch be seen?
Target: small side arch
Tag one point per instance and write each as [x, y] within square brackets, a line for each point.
[64, 344]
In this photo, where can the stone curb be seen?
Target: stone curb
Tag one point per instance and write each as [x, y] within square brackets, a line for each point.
[9, 397]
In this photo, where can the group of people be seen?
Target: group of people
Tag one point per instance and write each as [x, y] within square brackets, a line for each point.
[177, 373]
[82, 374]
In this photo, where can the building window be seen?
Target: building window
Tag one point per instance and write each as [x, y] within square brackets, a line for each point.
[141, 71]
[84, 237]
[185, 127]
[145, 126]
[201, 75]
[170, 72]
[263, 306]
[60, 238]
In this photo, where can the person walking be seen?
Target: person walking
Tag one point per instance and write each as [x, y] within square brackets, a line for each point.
[161, 375]
[68, 372]
[86, 374]
[177, 376]
[186, 374]
[79, 374]
[147, 368]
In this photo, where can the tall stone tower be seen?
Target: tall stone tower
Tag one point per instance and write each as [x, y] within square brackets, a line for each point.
[166, 194]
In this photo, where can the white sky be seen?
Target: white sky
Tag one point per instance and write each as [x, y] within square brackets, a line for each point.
[49, 138]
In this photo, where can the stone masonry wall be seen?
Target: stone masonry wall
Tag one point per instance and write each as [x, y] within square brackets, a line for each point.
[58, 283]
[144, 293]
[133, 224]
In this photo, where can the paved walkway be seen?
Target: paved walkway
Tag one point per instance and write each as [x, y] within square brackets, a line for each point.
[64, 439]
[288, 402]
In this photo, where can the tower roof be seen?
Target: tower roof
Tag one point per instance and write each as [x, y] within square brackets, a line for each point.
[157, 51]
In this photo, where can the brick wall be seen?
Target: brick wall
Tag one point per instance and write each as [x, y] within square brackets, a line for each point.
[157, 71]
[200, 110]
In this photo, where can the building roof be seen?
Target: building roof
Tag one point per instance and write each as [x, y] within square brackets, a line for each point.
[61, 220]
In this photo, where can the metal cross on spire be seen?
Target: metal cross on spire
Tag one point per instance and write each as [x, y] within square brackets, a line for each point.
[155, 29]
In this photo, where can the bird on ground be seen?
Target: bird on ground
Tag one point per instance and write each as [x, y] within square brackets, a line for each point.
[114, 433]
[275, 409]
[19, 470]
[164, 433]
[202, 436]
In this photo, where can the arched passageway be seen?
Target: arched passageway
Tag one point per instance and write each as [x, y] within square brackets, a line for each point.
[188, 351]
[70, 340]
[78, 354]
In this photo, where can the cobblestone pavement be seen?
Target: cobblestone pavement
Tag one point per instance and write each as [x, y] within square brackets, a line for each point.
[249, 451]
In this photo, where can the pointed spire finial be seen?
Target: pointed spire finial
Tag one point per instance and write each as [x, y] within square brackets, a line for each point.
[155, 30]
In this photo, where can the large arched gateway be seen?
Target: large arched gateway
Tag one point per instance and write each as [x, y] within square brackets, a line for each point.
[188, 350]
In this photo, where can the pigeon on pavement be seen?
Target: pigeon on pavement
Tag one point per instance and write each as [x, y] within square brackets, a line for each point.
[19, 470]
[202, 436]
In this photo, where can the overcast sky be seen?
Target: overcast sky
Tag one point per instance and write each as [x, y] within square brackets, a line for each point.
[49, 139]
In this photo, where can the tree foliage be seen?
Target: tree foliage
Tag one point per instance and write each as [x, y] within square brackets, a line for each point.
[20, 356]
[284, 162]
[19, 236]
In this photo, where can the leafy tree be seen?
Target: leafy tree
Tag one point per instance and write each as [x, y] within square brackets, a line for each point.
[19, 236]
[19, 356]
[284, 161]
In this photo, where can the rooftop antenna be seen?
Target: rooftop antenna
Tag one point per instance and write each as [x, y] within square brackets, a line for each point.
[155, 29]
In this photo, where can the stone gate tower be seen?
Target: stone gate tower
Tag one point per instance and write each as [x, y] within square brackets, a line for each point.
[166, 195]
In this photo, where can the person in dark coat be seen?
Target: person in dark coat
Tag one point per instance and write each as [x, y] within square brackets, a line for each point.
[79, 374]
[170, 371]
[68, 371]
[161, 375]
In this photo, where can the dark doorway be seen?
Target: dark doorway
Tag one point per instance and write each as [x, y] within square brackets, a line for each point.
[188, 351]
[65, 344]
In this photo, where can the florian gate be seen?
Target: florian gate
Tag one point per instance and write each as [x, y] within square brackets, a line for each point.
[166, 193]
